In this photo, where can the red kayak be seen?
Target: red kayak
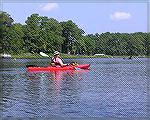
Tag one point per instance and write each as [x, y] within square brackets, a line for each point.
[51, 68]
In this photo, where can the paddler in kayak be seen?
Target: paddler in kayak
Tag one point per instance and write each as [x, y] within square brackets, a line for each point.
[57, 60]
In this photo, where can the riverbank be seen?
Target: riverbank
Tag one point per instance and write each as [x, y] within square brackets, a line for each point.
[66, 56]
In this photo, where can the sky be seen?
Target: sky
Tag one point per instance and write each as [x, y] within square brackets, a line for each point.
[96, 17]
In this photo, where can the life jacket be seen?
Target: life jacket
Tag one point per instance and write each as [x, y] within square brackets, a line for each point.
[56, 61]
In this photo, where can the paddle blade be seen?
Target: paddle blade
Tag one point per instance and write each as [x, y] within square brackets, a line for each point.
[31, 66]
[43, 54]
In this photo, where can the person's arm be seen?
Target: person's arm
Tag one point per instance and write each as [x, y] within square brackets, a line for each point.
[61, 63]
[52, 62]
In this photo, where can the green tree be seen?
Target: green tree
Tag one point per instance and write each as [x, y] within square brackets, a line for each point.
[119, 43]
[5, 24]
[89, 44]
[32, 32]
[147, 43]
[136, 45]
[15, 38]
[105, 43]
[72, 35]
[51, 33]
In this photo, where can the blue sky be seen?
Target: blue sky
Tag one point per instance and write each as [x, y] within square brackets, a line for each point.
[91, 17]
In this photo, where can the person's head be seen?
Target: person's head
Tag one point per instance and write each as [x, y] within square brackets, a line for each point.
[56, 53]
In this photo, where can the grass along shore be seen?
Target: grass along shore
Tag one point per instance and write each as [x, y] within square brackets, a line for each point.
[36, 56]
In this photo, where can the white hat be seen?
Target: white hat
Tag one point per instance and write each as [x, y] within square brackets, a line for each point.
[56, 53]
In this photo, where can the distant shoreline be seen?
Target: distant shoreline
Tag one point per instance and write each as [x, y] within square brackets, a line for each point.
[66, 56]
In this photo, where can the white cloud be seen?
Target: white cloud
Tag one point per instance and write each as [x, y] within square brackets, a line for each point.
[120, 16]
[49, 6]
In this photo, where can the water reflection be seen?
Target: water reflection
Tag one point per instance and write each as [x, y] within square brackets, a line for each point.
[55, 90]
[57, 78]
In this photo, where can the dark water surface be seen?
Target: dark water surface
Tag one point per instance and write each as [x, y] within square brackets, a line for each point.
[112, 88]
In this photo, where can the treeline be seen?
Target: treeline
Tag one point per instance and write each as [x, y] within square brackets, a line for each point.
[40, 33]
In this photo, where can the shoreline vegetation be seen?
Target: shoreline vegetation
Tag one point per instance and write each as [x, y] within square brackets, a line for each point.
[66, 56]
[41, 33]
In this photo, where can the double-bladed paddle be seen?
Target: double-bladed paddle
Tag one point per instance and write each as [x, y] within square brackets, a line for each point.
[42, 54]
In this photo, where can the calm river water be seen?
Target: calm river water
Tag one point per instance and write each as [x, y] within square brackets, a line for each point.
[112, 88]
